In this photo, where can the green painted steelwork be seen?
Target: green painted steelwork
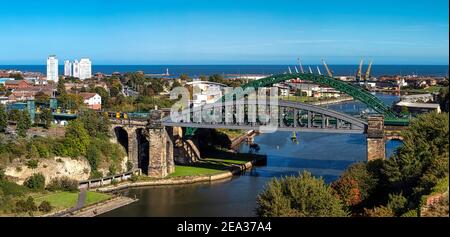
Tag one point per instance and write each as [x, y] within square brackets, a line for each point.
[354, 91]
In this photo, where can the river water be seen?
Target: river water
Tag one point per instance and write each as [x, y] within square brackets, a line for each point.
[324, 155]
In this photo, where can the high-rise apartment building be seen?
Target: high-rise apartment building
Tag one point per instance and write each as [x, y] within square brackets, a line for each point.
[52, 68]
[67, 68]
[76, 69]
[85, 68]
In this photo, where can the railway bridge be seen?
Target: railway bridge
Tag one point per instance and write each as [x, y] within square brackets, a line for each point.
[149, 139]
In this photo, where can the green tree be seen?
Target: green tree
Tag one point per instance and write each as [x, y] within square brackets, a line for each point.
[42, 98]
[422, 159]
[397, 203]
[303, 196]
[76, 139]
[35, 182]
[3, 119]
[356, 184]
[61, 88]
[216, 78]
[97, 125]
[16, 76]
[23, 123]
[45, 207]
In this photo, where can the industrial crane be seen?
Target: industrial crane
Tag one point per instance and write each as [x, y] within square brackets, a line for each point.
[300, 64]
[326, 67]
[359, 73]
[369, 68]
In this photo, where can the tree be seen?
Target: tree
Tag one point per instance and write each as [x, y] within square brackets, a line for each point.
[95, 124]
[45, 207]
[3, 119]
[423, 159]
[61, 88]
[380, 211]
[303, 196]
[16, 76]
[185, 77]
[71, 101]
[356, 184]
[35, 182]
[42, 98]
[76, 139]
[23, 123]
[216, 78]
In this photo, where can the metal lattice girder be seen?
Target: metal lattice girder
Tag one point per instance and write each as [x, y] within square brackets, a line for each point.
[354, 91]
[294, 116]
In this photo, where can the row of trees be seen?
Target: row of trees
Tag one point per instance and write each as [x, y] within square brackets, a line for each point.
[392, 187]
[21, 118]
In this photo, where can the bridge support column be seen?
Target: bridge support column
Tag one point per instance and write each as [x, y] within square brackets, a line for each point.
[160, 149]
[376, 146]
[133, 150]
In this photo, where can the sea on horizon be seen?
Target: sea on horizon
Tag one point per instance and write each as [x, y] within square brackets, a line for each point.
[197, 70]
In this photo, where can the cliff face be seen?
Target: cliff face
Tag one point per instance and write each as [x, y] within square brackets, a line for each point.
[51, 168]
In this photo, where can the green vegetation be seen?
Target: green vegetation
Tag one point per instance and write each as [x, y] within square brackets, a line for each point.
[63, 184]
[221, 162]
[232, 134]
[302, 196]
[3, 119]
[397, 186]
[36, 182]
[63, 200]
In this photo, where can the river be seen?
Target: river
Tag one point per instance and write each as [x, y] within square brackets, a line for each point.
[324, 155]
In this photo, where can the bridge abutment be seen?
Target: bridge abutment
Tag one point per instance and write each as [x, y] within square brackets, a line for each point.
[161, 147]
[376, 146]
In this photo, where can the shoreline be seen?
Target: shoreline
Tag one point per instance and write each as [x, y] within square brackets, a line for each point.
[228, 174]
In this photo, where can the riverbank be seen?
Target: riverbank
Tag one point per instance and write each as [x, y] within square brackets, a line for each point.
[233, 169]
[102, 207]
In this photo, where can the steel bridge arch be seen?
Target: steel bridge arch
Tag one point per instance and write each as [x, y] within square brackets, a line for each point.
[344, 87]
[354, 125]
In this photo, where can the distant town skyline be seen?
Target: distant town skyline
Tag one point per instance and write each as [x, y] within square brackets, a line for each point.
[202, 32]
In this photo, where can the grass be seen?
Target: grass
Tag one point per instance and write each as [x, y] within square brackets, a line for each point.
[63, 200]
[430, 89]
[232, 134]
[209, 166]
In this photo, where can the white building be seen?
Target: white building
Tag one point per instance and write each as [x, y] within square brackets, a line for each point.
[67, 68]
[85, 68]
[52, 68]
[205, 92]
[76, 69]
[92, 100]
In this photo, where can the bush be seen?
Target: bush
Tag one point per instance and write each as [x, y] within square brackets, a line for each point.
[380, 211]
[134, 178]
[410, 213]
[45, 207]
[397, 203]
[63, 184]
[303, 196]
[32, 164]
[26, 206]
[35, 182]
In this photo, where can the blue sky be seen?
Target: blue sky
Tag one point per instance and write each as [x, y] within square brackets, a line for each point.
[225, 32]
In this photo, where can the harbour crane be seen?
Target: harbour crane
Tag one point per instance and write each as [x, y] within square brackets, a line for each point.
[296, 70]
[369, 68]
[310, 70]
[328, 69]
[318, 70]
[359, 73]
[300, 64]
[290, 72]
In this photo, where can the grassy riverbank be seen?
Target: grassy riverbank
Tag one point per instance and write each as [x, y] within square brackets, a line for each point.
[221, 162]
[64, 200]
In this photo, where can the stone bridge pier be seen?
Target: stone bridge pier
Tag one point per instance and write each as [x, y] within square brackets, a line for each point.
[148, 144]
[376, 145]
